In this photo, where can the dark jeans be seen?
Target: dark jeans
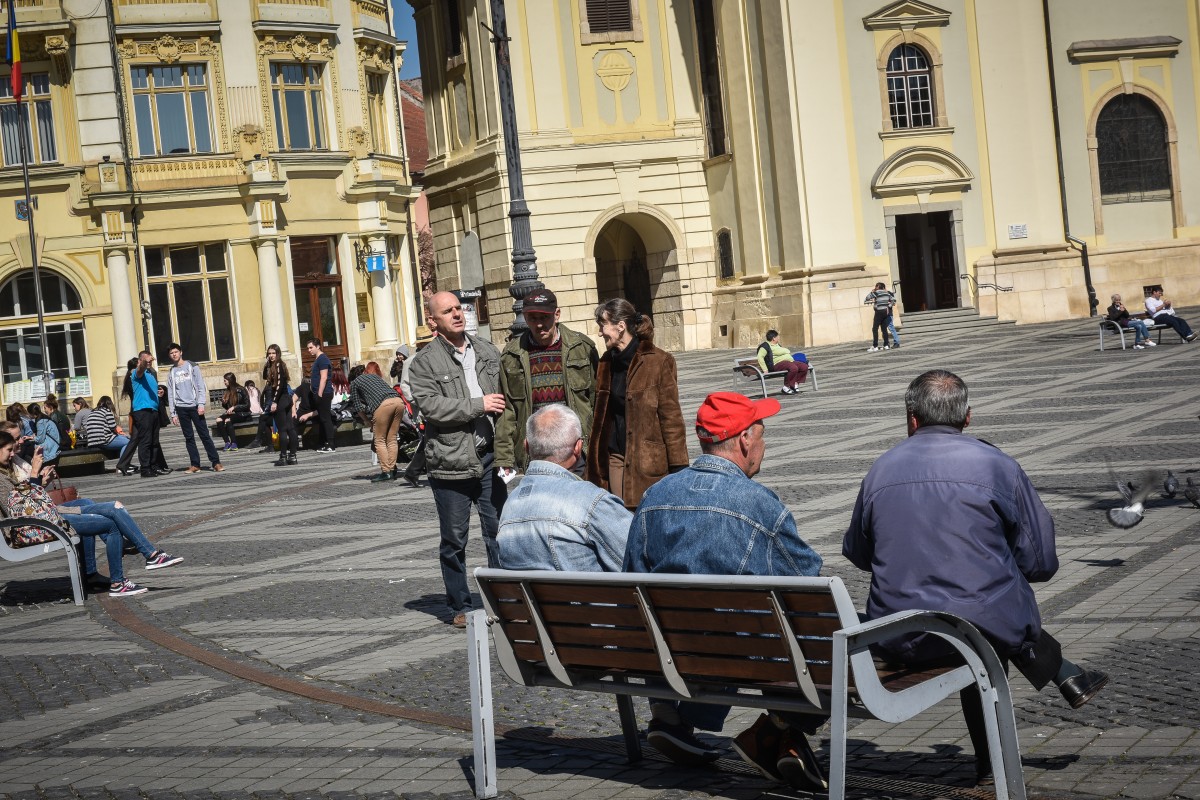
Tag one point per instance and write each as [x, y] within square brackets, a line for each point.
[226, 423]
[190, 418]
[263, 436]
[326, 434]
[454, 499]
[880, 324]
[145, 433]
[417, 464]
[286, 427]
[1178, 324]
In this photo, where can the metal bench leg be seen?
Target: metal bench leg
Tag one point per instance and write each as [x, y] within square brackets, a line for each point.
[1005, 750]
[76, 579]
[483, 730]
[838, 710]
[629, 728]
[763, 382]
[812, 373]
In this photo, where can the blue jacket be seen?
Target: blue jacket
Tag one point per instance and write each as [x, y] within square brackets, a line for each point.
[710, 519]
[47, 436]
[946, 522]
[556, 520]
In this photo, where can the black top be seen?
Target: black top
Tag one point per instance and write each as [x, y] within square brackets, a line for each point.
[622, 359]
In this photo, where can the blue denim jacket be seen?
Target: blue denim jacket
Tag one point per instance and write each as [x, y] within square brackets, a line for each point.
[710, 519]
[555, 520]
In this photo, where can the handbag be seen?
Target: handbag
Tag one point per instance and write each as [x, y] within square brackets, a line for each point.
[61, 494]
[30, 500]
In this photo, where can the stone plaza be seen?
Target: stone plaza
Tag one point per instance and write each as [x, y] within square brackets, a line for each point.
[302, 650]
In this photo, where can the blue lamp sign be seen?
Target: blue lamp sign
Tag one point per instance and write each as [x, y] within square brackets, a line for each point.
[376, 262]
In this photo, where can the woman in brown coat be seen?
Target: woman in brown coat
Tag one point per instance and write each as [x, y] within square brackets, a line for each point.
[637, 426]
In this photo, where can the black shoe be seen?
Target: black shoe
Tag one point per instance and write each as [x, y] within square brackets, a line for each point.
[149, 474]
[129, 550]
[128, 470]
[394, 474]
[798, 764]
[281, 461]
[382, 477]
[1079, 689]
[412, 481]
[677, 743]
[291, 459]
[164, 470]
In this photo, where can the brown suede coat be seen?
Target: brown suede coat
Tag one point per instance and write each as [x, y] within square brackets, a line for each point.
[655, 437]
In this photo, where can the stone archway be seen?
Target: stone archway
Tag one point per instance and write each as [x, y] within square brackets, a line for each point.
[636, 258]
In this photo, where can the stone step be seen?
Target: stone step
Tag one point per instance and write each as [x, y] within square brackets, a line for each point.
[947, 321]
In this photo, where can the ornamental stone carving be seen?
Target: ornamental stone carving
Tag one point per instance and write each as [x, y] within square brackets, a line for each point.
[57, 46]
[299, 47]
[249, 140]
[358, 142]
[374, 55]
[167, 49]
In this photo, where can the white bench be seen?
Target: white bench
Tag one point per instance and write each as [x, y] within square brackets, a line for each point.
[747, 371]
[787, 644]
[63, 541]
[1110, 327]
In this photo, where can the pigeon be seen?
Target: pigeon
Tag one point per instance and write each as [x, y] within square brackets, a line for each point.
[1192, 493]
[1171, 484]
[1134, 510]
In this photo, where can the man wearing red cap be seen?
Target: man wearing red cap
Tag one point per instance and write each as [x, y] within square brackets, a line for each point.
[712, 519]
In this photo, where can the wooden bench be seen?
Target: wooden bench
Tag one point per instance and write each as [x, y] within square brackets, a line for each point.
[787, 644]
[1108, 326]
[63, 541]
[747, 370]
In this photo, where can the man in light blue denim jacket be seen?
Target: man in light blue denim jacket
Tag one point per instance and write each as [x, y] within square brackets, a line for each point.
[555, 519]
[712, 519]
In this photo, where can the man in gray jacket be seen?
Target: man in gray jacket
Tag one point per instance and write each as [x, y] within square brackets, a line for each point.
[456, 381]
[187, 394]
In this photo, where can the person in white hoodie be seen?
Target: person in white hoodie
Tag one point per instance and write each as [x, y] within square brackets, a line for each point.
[186, 396]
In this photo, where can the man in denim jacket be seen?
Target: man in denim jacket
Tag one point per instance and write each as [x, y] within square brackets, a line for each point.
[555, 519]
[712, 519]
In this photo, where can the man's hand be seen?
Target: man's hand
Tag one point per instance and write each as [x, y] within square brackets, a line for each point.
[200, 410]
[493, 404]
[175, 420]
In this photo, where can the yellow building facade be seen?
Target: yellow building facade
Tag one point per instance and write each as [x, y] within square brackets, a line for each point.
[738, 165]
[220, 173]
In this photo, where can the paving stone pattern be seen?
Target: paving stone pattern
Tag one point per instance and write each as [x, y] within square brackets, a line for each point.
[313, 573]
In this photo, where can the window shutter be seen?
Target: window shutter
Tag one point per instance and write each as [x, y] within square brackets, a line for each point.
[609, 16]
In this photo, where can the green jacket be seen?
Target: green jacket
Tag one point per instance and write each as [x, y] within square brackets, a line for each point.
[441, 392]
[579, 372]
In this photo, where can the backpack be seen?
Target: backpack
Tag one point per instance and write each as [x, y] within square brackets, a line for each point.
[30, 500]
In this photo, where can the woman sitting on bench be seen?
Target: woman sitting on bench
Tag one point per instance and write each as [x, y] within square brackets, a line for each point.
[100, 429]
[110, 521]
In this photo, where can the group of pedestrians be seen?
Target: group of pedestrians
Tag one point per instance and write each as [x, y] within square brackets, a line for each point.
[976, 557]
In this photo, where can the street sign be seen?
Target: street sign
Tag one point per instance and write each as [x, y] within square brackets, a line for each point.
[376, 262]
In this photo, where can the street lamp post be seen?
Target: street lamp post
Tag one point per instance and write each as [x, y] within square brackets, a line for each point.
[524, 261]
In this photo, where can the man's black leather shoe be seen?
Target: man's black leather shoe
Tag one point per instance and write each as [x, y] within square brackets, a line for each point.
[1083, 687]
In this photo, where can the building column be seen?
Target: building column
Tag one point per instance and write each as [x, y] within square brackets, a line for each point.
[270, 295]
[123, 315]
[382, 301]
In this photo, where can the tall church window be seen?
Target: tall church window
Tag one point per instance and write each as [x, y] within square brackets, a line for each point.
[710, 77]
[910, 88]
[1131, 151]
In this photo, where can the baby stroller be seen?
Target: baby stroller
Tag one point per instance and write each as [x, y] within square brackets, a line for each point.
[412, 430]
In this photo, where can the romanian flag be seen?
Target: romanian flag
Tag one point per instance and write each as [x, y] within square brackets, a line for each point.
[13, 53]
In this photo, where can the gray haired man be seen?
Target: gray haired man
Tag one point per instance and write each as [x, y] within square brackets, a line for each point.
[555, 520]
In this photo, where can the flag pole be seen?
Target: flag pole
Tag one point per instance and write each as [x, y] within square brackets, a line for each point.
[23, 128]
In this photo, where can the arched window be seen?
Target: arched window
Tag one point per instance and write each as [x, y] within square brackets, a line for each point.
[21, 356]
[1131, 151]
[910, 88]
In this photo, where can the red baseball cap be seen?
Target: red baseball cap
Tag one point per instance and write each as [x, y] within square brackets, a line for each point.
[724, 415]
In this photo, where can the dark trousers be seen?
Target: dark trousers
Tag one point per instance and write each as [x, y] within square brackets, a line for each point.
[1178, 324]
[1039, 664]
[454, 499]
[286, 427]
[192, 423]
[417, 464]
[880, 324]
[326, 434]
[263, 436]
[226, 423]
[145, 431]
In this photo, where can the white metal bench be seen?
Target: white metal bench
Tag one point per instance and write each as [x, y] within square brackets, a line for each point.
[787, 644]
[1110, 327]
[63, 541]
[747, 371]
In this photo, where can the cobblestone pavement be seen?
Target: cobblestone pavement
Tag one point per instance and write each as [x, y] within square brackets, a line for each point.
[313, 579]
